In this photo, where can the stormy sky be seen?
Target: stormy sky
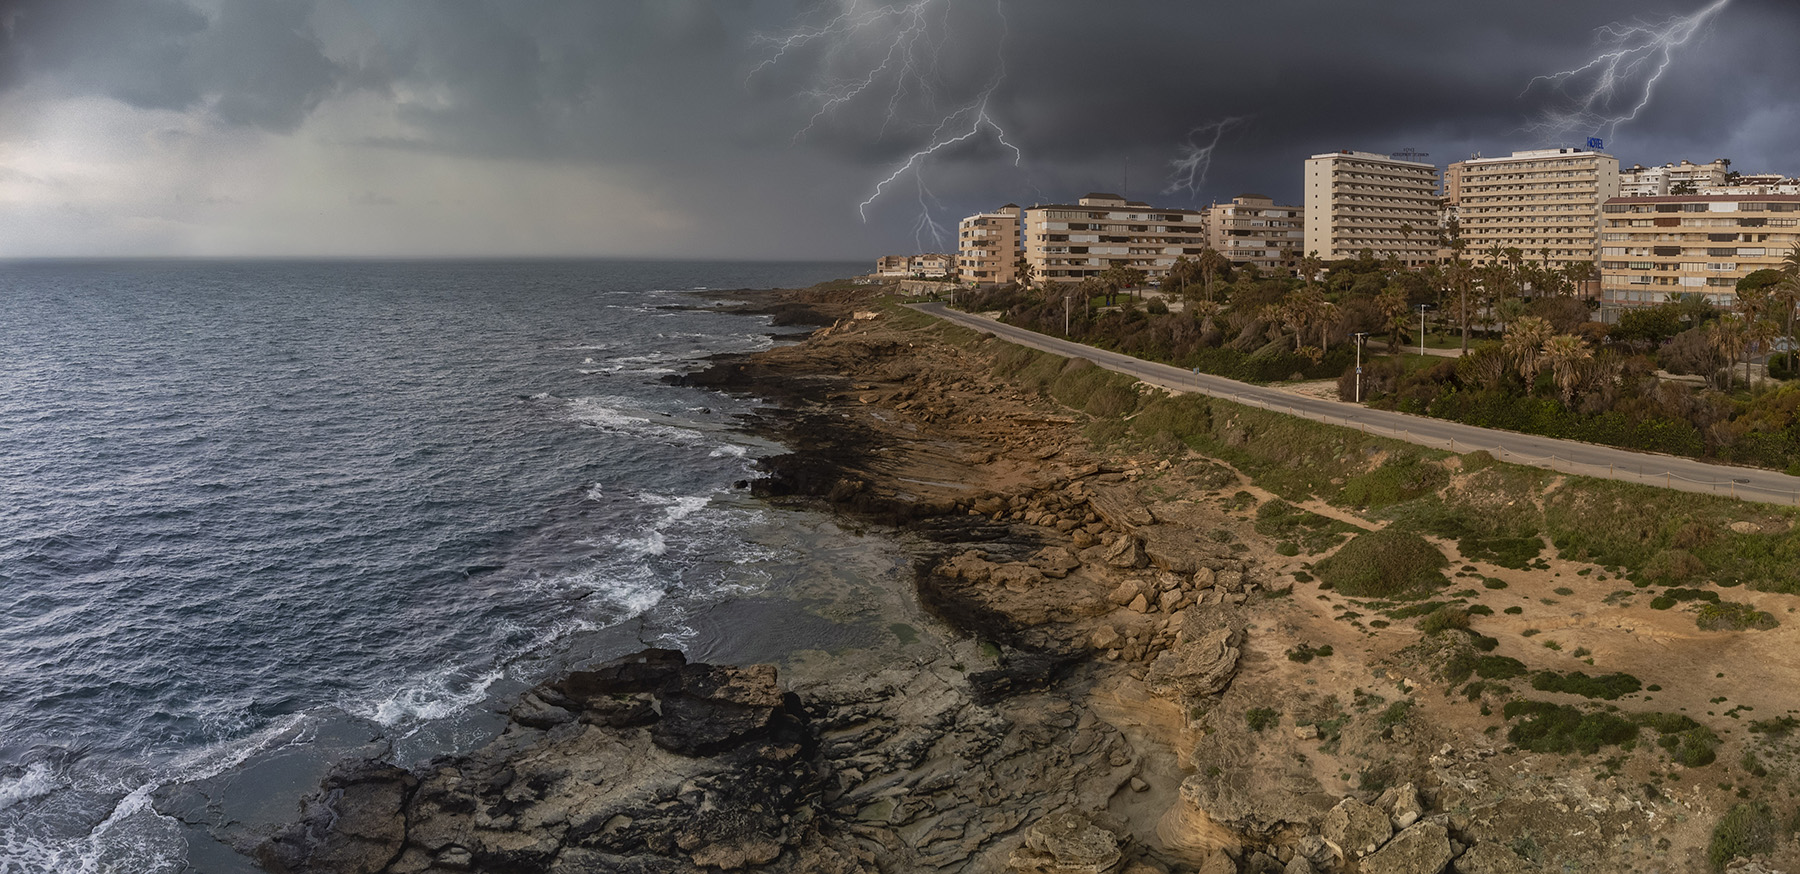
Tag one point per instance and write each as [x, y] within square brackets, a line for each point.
[757, 128]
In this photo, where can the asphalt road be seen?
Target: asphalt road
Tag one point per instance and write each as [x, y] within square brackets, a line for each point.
[1563, 456]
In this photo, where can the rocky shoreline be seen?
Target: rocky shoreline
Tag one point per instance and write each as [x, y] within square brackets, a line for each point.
[1112, 693]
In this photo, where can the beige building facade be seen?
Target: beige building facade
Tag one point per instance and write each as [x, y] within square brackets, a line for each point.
[1540, 201]
[1252, 229]
[987, 246]
[1361, 200]
[1072, 242]
[1655, 248]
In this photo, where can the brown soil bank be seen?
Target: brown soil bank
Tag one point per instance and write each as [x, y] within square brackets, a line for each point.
[1144, 676]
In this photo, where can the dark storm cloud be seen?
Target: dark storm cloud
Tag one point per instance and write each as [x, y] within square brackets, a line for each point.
[665, 86]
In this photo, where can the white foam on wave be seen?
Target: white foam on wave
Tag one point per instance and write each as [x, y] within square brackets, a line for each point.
[435, 696]
[38, 780]
[730, 450]
[617, 415]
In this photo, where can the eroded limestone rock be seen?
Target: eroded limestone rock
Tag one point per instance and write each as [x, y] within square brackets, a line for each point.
[1066, 843]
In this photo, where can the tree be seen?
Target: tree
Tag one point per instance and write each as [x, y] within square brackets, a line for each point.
[1525, 345]
[1182, 274]
[1729, 338]
[1395, 314]
[1580, 273]
[1566, 354]
[1212, 265]
[1023, 272]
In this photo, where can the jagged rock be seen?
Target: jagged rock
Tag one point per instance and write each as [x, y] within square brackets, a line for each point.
[1228, 580]
[1066, 843]
[1316, 851]
[1120, 508]
[1422, 849]
[1017, 577]
[1139, 604]
[1202, 663]
[1299, 865]
[1218, 863]
[1401, 803]
[1262, 863]
[355, 825]
[1203, 578]
[1492, 858]
[1169, 601]
[711, 708]
[1356, 828]
[1177, 549]
[534, 712]
[1104, 637]
[1055, 561]
[1126, 592]
[1127, 553]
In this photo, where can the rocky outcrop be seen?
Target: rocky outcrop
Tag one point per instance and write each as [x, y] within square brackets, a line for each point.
[1421, 849]
[1492, 858]
[1203, 660]
[1356, 828]
[1066, 843]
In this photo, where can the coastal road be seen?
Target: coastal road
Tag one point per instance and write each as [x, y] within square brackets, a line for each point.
[1562, 456]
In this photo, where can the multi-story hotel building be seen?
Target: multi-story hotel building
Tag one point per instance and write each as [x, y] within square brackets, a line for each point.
[1069, 243]
[1536, 201]
[1654, 248]
[893, 265]
[1361, 200]
[1691, 178]
[1251, 229]
[987, 246]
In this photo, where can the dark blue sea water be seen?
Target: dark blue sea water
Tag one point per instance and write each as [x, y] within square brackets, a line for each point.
[240, 497]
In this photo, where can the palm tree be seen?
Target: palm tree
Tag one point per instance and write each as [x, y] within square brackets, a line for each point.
[1397, 315]
[1787, 291]
[1462, 279]
[1023, 272]
[1525, 345]
[1182, 274]
[1728, 335]
[1508, 311]
[1566, 353]
[1211, 265]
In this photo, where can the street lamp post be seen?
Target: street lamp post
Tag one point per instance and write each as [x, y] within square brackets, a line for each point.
[1422, 329]
[1360, 336]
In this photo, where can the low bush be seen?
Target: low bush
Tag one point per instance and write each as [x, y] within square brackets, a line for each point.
[1444, 619]
[1745, 830]
[1259, 718]
[1732, 616]
[1609, 687]
[1560, 728]
[1388, 564]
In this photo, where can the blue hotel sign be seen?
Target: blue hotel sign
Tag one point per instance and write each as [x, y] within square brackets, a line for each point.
[1596, 143]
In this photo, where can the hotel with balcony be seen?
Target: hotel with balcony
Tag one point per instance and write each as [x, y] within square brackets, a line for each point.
[1361, 200]
[1655, 248]
[987, 246]
[1069, 243]
[1535, 201]
[1251, 229]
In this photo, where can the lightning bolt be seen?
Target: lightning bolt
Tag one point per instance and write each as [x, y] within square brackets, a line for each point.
[1188, 172]
[1636, 57]
[894, 52]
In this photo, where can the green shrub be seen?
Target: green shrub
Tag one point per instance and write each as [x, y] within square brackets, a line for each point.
[1780, 726]
[1606, 686]
[1732, 616]
[1463, 664]
[1385, 564]
[1259, 718]
[1745, 830]
[1492, 583]
[1444, 619]
[1559, 728]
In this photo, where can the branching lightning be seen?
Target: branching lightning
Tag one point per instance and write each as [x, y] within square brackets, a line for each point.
[895, 52]
[1636, 57]
[1188, 172]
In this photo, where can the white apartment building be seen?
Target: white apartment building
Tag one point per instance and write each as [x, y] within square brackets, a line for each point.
[1361, 200]
[987, 246]
[1540, 201]
[1252, 229]
[1071, 242]
[1654, 248]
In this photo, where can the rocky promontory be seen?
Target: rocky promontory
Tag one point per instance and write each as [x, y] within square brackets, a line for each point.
[1128, 676]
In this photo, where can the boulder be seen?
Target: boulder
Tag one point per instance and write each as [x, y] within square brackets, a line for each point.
[711, 708]
[1218, 863]
[1203, 578]
[1492, 858]
[1316, 851]
[1066, 843]
[1422, 849]
[1104, 637]
[1401, 803]
[1126, 592]
[1017, 576]
[1357, 829]
[1176, 549]
[1126, 553]
[1139, 604]
[355, 825]
[1299, 865]
[1203, 661]
[1055, 561]
[1119, 507]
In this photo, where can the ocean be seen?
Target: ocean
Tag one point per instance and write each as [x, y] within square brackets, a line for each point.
[248, 508]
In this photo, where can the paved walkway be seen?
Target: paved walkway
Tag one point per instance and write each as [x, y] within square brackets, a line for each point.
[1562, 456]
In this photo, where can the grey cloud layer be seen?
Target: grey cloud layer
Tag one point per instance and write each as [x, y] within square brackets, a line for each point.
[661, 85]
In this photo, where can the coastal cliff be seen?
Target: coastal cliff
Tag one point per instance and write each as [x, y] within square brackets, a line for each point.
[1138, 680]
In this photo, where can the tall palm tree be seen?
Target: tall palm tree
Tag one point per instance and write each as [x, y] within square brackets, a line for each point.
[1566, 353]
[1787, 291]
[1398, 316]
[1023, 272]
[1462, 279]
[1211, 264]
[1729, 336]
[1525, 345]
